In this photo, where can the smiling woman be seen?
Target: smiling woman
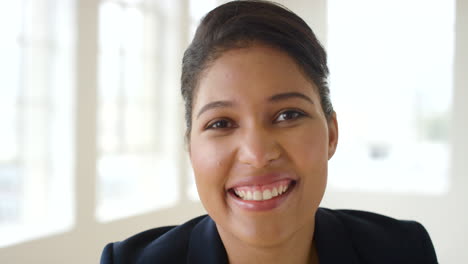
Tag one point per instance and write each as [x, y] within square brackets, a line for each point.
[270, 135]
[260, 130]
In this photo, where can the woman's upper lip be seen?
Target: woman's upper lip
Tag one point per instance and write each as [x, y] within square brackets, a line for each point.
[263, 179]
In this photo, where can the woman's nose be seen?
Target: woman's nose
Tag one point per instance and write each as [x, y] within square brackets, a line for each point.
[258, 148]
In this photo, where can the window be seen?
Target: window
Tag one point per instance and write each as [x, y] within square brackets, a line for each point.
[139, 130]
[137, 138]
[35, 113]
[391, 82]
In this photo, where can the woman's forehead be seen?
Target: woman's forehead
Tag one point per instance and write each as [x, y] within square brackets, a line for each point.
[257, 69]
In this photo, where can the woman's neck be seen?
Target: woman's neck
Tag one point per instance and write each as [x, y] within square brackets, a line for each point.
[299, 248]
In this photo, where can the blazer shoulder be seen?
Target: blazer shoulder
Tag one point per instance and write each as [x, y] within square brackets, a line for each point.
[168, 243]
[376, 237]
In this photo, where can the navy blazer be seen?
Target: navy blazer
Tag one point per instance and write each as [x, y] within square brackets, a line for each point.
[341, 236]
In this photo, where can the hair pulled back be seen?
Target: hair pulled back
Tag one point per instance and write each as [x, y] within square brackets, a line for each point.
[242, 23]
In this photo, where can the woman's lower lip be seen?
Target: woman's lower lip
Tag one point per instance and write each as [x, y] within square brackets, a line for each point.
[265, 205]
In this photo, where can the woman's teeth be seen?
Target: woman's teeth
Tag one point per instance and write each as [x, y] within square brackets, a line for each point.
[259, 195]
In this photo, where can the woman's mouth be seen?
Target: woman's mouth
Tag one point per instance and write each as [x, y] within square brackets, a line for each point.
[263, 192]
[262, 197]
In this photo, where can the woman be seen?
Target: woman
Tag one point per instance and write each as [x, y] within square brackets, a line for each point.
[261, 129]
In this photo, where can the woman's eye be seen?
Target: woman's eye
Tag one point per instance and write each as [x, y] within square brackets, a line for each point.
[220, 124]
[289, 115]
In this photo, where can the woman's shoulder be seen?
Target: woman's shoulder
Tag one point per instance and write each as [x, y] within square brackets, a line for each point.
[375, 237]
[163, 243]
[357, 220]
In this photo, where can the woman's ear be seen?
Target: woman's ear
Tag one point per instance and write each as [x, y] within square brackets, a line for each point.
[332, 135]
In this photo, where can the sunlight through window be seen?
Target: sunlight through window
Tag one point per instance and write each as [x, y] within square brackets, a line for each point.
[391, 83]
[36, 119]
[137, 166]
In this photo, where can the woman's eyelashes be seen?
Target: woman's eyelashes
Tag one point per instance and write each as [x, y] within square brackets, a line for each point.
[220, 124]
[289, 115]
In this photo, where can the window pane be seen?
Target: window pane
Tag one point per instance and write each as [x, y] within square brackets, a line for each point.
[137, 155]
[391, 83]
[35, 115]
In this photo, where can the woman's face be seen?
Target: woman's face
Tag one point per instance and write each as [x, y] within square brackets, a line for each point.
[259, 145]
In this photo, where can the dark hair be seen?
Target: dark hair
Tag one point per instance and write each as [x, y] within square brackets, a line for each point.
[242, 23]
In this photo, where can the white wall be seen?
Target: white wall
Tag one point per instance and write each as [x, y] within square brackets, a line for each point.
[444, 216]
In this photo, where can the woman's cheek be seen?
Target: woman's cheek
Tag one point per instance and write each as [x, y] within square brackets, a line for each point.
[208, 156]
[208, 162]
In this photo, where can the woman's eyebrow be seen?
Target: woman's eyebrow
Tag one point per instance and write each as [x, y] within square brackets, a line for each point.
[285, 96]
[215, 104]
[274, 98]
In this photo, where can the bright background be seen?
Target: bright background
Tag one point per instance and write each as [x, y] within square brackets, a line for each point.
[91, 119]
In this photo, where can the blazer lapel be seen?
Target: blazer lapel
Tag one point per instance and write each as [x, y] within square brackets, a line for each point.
[331, 239]
[205, 245]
